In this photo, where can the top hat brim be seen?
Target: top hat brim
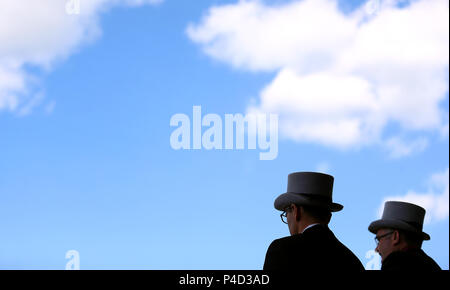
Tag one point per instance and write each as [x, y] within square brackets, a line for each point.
[396, 224]
[288, 198]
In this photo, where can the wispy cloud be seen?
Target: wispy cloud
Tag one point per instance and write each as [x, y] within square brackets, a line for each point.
[323, 167]
[445, 131]
[341, 78]
[435, 200]
[39, 34]
[397, 147]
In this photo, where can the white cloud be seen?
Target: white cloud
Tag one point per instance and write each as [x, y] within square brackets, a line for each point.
[444, 131]
[398, 148]
[253, 36]
[435, 200]
[9, 82]
[307, 112]
[323, 167]
[341, 79]
[39, 34]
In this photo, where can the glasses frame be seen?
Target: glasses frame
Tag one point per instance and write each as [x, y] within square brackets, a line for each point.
[379, 238]
[283, 215]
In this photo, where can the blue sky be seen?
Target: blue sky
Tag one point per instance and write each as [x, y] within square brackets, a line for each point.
[85, 157]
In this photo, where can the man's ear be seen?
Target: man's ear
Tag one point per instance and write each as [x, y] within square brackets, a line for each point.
[298, 213]
[396, 237]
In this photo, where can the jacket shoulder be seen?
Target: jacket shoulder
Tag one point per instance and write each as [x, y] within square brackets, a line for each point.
[284, 245]
[279, 253]
[317, 248]
[409, 261]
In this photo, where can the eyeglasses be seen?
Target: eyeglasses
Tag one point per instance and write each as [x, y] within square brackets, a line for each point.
[378, 238]
[284, 214]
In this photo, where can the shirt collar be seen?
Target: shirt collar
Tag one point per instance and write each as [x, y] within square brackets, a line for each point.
[310, 226]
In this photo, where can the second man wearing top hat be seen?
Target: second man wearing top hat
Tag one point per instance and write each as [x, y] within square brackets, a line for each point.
[399, 238]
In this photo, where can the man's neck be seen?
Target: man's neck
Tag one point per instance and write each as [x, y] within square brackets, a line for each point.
[303, 226]
[309, 226]
[405, 247]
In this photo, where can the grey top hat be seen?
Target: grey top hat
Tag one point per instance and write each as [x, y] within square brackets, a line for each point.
[403, 216]
[308, 188]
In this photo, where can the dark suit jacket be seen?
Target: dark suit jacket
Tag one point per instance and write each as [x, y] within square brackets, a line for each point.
[315, 249]
[411, 260]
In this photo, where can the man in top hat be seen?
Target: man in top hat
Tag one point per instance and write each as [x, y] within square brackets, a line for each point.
[399, 238]
[312, 246]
